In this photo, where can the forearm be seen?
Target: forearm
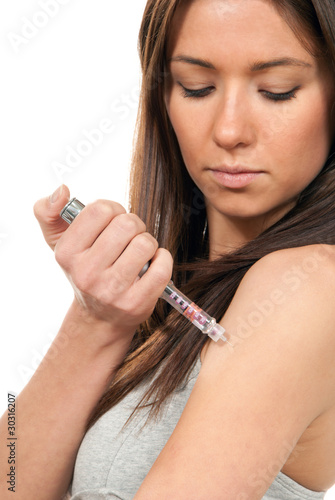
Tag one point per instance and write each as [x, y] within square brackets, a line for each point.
[53, 409]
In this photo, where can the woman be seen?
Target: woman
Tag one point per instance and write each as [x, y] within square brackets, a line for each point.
[233, 176]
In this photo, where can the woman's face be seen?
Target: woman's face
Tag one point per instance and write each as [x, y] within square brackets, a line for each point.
[249, 105]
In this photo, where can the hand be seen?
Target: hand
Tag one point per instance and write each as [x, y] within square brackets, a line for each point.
[102, 253]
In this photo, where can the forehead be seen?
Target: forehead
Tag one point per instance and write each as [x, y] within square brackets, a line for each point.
[239, 26]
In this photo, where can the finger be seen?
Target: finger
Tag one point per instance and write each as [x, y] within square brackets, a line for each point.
[47, 211]
[127, 267]
[113, 240]
[152, 284]
[88, 225]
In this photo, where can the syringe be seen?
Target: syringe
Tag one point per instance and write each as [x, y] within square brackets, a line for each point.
[171, 294]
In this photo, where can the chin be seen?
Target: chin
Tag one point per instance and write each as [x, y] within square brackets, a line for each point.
[253, 210]
[243, 213]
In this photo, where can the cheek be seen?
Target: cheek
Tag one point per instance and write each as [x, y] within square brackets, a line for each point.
[303, 144]
[313, 140]
[188, 130]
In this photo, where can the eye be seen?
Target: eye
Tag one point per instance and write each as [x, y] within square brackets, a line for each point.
[284, 96]
[195, 93]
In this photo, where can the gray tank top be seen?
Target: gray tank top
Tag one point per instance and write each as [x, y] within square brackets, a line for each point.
[113, 461]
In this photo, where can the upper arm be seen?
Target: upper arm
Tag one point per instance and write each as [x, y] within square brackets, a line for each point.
[251, 404]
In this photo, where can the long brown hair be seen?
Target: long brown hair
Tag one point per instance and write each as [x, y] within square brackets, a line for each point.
[165, 197]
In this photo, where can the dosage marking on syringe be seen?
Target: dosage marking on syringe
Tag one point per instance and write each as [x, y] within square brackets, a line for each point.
[178, 300]
[191, 311]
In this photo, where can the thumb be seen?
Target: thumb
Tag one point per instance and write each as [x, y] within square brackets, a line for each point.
[47, 212]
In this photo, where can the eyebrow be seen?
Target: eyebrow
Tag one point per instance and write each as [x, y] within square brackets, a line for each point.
[285, 61]
[192, 60]
[257, 66]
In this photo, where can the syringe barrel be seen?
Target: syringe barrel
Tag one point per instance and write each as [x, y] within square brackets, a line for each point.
[187, 308]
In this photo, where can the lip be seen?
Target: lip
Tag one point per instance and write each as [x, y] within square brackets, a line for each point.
[235, 177]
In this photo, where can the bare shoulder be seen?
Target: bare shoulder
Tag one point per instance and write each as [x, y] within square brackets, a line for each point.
[311, 261]
[287, 297]
[303, 277]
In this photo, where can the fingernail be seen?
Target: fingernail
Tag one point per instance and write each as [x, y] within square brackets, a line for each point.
[55, 196]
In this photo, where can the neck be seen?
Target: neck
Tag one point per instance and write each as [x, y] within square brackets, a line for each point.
[231, 236]
[227, 234]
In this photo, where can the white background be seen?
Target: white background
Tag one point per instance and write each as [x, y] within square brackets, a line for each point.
[63, 72]
[78, 70]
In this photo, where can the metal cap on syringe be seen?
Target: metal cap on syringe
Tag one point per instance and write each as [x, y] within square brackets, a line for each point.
[71, 210]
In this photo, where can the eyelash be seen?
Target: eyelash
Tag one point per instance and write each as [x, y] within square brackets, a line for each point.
[285, 96]
[195, 94]
[200, 93]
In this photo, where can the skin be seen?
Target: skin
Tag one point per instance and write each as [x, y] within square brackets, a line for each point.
[236, 121]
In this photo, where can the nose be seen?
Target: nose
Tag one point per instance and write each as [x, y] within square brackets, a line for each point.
[233, 126]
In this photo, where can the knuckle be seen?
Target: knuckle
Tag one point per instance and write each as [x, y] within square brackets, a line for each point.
[145, 243]
[116, 283]
[118, 208]
[104, 298]
[99, 209]
[139, 222]
[62, 256]
[84, 279]
[126, 223]
[162, 276]
[169, 259]
[104, 209]
[129, 223]
[164, 270]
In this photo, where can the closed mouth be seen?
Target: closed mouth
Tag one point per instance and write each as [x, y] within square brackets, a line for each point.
[235, 170]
